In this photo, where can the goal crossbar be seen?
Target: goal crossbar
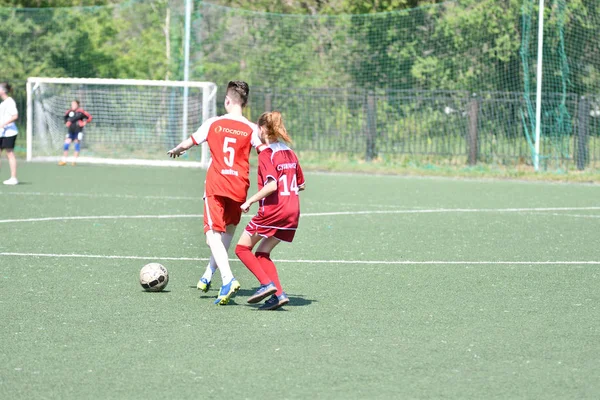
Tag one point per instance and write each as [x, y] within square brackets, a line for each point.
[122, 82]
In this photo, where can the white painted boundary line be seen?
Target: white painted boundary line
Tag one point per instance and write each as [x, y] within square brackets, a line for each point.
[5, 221]
[450, 210]
[100, 195]
[403, 262]
[419, 211]
[128, 161]
[576, 215]
[157, 197]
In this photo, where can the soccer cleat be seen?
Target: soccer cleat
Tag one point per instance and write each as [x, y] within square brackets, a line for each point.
[263, 292]
[227, 291]
[275, 302]
[11, 181]
[203, 284]
[62, 163]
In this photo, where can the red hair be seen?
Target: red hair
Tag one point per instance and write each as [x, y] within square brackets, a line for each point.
[273, 124]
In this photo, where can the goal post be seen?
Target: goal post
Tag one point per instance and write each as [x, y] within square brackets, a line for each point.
[134, 122]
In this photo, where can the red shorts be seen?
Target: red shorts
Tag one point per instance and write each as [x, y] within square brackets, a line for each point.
[219, 212]
[285, 235]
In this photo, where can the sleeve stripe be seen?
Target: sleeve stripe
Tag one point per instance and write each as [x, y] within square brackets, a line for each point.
[267, 179]
[194, 140]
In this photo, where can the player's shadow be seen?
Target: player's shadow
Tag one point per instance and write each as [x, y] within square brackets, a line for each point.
[296, 300]
[162, 291]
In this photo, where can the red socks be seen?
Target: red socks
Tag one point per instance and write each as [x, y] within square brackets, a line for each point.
[244, 253]
[260, 265]
[267, 265]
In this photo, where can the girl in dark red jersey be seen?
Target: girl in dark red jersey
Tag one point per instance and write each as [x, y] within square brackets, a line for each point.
[280, 178]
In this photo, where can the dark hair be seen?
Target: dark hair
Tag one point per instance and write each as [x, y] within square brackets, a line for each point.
[6, 88]
[273, 124]
[238, 92]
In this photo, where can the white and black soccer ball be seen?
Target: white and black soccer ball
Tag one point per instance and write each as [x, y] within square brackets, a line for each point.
[154, 277]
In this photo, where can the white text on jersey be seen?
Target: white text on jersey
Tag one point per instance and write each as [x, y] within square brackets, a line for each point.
[229, 172]
[281, 167]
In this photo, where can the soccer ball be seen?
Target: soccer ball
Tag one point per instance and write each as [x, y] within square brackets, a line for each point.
[154, 277]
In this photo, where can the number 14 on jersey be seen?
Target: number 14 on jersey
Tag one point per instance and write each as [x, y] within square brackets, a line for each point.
[291, 188]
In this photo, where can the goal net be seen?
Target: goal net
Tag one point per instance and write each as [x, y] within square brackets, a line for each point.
[133, 121]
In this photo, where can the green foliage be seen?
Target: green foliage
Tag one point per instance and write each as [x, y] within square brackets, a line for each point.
[125, 41]
[357, 46]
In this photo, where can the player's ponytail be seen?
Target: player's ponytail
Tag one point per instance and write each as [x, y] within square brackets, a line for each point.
[6, 88]
[273, 124]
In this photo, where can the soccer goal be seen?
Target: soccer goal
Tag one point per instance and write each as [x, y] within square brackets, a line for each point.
[134, 122]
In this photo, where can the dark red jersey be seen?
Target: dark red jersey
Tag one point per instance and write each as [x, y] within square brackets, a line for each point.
[281, 209]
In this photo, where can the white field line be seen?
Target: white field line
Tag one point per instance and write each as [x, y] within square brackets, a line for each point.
[5, 221]
[199, 198]
[333, 213]
[402, 262]
[576, 215]
[451, 210]
[100, 195]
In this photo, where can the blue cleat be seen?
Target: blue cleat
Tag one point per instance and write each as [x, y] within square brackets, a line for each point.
[203, 284]
[227, 291]
[263, 292]
[275, 302]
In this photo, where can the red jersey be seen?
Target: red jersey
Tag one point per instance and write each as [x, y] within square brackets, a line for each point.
[281, 209]
[230, 139]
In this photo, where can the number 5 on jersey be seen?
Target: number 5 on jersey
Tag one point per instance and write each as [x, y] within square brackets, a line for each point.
[229, 150]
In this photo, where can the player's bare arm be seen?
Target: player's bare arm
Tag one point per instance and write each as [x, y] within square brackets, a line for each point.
[269, 188]
[12, 119]
[181, 148]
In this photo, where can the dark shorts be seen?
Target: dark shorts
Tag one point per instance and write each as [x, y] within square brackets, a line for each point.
[74, 136]
[8, 142]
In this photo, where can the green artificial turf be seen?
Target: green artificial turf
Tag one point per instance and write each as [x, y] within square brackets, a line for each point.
[400, 287]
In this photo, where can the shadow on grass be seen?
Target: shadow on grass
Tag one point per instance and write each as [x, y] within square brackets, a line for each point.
[296, 300]
[162, 291]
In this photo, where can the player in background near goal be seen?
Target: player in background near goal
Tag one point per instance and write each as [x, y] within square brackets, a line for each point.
[280, 178]
[8, 130]
[75, 119]
[230, 138]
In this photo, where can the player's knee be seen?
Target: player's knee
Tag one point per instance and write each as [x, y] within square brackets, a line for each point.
[261, 254]
[212, 237]
[240, 250]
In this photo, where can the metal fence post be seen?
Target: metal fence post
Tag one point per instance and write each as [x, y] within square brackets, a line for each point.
[473, 136]
[583, 121]
[371, 126]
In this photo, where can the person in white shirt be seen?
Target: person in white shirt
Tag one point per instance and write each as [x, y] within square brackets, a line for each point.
[8, 130]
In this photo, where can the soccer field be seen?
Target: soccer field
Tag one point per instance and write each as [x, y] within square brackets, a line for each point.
[400, 288]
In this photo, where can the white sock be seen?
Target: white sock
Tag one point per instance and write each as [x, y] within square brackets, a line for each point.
[226, 238]
[219, 253]
[210, 269]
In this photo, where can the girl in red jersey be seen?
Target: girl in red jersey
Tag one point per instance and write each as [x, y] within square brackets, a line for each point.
[280, 178]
